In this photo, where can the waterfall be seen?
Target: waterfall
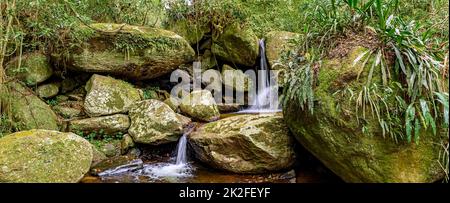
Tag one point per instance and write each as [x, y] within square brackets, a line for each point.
[266, 98]
[180, 169]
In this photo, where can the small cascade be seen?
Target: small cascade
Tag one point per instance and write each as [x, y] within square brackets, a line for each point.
[266, 98]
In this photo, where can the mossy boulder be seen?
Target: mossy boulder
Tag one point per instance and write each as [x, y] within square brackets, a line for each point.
[245, 144]
[43, 156]
[208, 61]
[238, 45]
[191, 31]
[154, 122]
[200, 105]
[118, 123]
[33, 70]
[27, 110]
[279, 43]
[333, 134]
[231, 76]
[106, 96]
[135, 52]
[48, 90]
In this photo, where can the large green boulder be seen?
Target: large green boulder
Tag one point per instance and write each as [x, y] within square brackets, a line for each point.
[118, 123]
[106, 96]
[237, 45]
[278, 44]
[43, 156]
[135, 52]
[27, 110]
[34, 68]
[154, 122]
[358, 152]
[245, 144]
[200, 105]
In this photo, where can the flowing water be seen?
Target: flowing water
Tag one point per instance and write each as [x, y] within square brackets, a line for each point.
[176, 167]
[266, 98]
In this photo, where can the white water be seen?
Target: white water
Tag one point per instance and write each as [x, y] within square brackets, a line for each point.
[266, 100]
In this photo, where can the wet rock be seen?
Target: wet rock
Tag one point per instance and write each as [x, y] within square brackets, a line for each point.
[69, 109]
[106, 96]
[237, 45]
[200, 105]
[34, 69]
[154, 52]
[245, 144]
[42, 156]
[154, 122]
[28, 111]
